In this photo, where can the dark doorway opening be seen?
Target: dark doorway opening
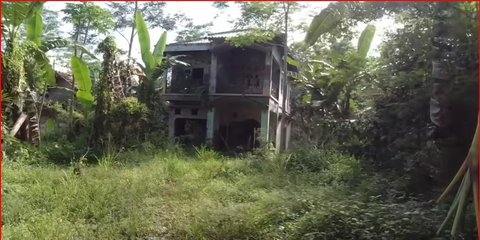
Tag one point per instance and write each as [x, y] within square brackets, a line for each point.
[190, 132]
[239, 136]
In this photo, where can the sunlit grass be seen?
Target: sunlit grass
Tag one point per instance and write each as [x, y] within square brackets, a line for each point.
[165, 195]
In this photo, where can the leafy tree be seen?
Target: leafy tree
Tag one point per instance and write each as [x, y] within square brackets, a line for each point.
[193, 32]
[153, 13]
[263, 15]
[220, 5]
[88, 20]
[51, 24]
[26, 69]
[403, 74]
[104, 98]
[263, 22]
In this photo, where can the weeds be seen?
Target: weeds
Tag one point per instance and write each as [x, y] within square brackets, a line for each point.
[170, 195]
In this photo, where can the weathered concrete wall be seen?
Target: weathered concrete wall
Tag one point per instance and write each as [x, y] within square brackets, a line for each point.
[182, 77]
[240, 71]
[184, 112]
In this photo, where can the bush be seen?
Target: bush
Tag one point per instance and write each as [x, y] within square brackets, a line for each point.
[16, 151]
[308, 159]
[351, 219]
[205, 154]
[334, 167]
[128, 121]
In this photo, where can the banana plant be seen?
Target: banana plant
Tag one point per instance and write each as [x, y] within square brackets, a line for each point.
[440, 115]
[330, 80]
[152, 61]
[14, 15]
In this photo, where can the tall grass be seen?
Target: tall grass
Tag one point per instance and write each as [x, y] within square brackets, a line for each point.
[169, 195]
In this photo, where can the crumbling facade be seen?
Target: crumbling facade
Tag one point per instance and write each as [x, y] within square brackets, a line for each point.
[227, 97]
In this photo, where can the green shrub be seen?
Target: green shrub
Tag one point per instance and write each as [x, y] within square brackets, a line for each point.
[16, 151]
[308, 159]
[63, 151]
[356, 220]
[128, 122]
[205, 154]
[334, 167]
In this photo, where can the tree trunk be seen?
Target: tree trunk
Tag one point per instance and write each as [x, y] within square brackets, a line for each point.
[441, 66]
[85, 37]
[286, 7]
[72, 98]
[132, 34]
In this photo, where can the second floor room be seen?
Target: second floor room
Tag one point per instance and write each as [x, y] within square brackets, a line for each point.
[214, 66]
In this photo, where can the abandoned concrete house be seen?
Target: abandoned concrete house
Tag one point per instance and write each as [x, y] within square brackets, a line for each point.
[229, 97]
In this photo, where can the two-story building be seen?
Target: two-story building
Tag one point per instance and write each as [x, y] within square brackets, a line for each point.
[228, 97]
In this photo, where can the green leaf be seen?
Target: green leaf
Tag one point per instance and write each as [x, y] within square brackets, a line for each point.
[34, 25]
[83, 50]
[84, 83]
[49, 75]
[49, 126]
[323, 23]
[14, 13]
[54, 43]
[160, 48]
[365, 41]
[62, 43]
[293, 62]
[144, 41]
[85, 98]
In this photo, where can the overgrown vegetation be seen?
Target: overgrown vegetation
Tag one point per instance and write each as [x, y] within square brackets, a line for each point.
[172, 195]
[375, 139]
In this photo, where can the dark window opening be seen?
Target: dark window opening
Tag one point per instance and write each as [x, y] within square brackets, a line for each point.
[194, 111]
[178, 111]
[197, 75]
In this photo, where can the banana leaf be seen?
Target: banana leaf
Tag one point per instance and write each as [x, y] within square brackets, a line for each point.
[144, 40]
[323, 23]
[84, 83]
[160, 48]
[34, 24]
[365, 41]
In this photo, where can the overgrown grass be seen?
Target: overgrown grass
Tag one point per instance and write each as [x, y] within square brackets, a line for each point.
[169, 195]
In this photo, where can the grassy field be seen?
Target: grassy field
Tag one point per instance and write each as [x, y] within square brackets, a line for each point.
[172, 195]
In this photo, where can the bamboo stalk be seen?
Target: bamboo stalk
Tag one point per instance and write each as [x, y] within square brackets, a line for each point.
[462, 204]
[454, 181]
[452, 208]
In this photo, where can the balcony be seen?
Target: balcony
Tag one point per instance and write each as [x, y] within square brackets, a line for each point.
[240, 71]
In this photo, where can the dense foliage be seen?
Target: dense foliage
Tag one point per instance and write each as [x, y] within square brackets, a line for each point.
[376, 135]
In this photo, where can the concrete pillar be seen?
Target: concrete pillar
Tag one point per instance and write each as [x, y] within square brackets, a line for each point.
[264, 125]
[279, 135]
[288, 134]
[171, 124]
[210, 126]
[212, 83]
[267, 82]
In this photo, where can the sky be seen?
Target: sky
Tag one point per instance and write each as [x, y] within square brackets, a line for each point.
[204, 12]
